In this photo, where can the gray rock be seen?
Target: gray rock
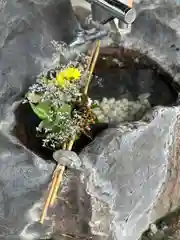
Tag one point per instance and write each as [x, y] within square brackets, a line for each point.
[27, 29]
[132, 175]
[67, 158]
[155, 32]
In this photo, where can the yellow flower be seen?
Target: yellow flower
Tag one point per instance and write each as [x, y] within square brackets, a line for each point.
[60, 80]
[66, 75]
[71, 73]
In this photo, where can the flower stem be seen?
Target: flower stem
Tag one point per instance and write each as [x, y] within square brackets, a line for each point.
[91, 65]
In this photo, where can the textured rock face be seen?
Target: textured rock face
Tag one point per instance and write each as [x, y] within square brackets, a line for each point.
[132, 173]
[156, 32]
[27, 29]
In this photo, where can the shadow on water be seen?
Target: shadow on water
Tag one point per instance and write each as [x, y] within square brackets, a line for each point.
[128, 74]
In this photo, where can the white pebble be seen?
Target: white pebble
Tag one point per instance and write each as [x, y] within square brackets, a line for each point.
[105, 100]
[111, 101]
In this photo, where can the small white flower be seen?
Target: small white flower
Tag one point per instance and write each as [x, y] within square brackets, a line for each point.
[89, 102]
[33, 97]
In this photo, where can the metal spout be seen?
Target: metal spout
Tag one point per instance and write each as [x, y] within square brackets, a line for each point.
[119, 15]
[83, 37]
[113, 8]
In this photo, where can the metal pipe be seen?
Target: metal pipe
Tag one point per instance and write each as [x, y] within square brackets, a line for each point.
[83, 37]
[117, 9]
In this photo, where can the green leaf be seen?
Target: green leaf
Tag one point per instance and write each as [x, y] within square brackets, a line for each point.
[46, 124]
[94, 105]
[76, 137]
[33, 97]
[96, 120]
[66, 108]
[26, 95]
[64, 111]
[41, 110]
[43, 78]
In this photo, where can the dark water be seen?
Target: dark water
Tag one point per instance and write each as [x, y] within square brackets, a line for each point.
[136, 75]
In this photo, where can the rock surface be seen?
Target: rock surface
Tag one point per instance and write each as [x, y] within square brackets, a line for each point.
[27, 29]
[156, 32]
[132, 172]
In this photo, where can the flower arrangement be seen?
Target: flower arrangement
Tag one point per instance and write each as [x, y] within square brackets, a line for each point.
[59, 98]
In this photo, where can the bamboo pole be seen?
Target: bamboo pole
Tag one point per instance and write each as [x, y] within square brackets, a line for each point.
[59, 177]
[59, 170]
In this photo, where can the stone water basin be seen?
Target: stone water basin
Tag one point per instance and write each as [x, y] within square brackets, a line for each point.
[127, 85]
